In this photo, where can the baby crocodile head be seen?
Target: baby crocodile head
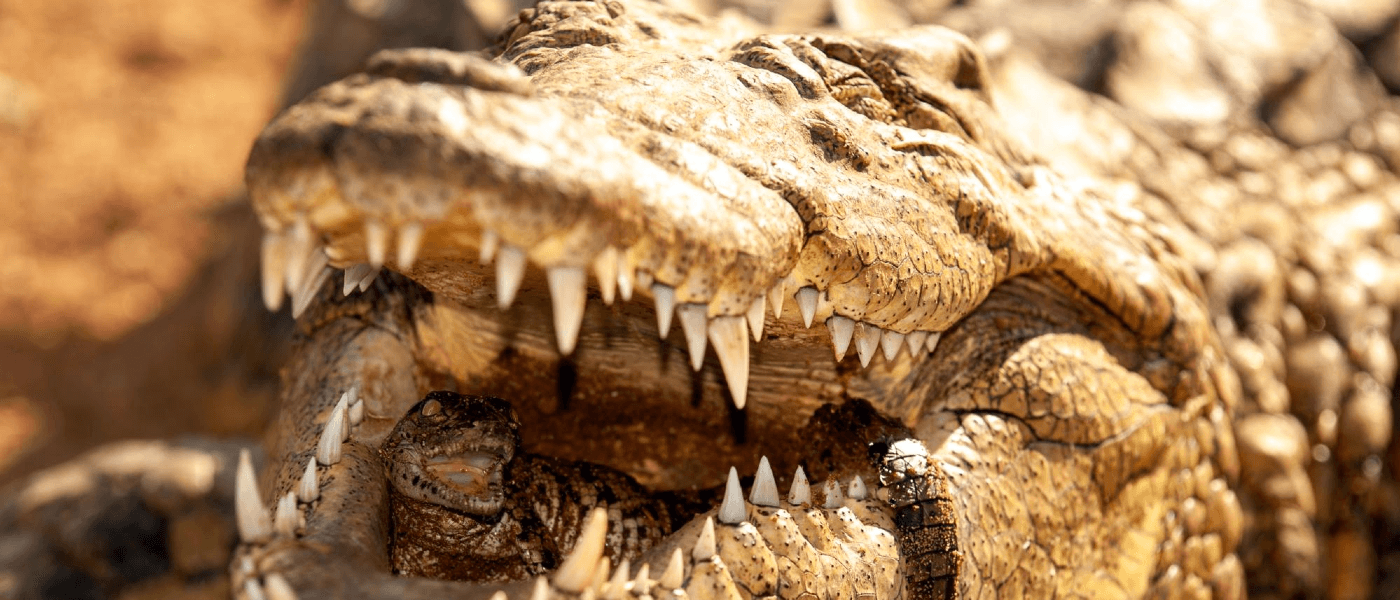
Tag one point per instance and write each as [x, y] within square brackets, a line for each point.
[451, 450]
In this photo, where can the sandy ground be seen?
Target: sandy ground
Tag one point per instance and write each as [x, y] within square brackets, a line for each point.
[124, 125]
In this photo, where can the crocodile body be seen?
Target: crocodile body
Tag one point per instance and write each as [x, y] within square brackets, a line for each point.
[1145, 343]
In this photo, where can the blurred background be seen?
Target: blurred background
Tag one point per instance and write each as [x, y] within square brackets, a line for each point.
[124, 125]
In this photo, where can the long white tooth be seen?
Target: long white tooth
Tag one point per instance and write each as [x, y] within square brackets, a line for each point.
[577, 571]
[510, 271]
[732, 347]
[342, 406]
[605, 269]
[915, 340]
[867, 338]
[328, 448]
[277, 587]
[693, 325]
[541, 591]
[254, 524]
[284, 519]
[252, 590]
[932, 343]
[311, 283]
[568, 292]
[600, 576]
[731, 509]
[274, 274]
[665, 297]
[410, 240]
[755, 316]
[369, 277]
[625, 278]
[857, 489]
[376, 242]
[299, 248]
[890, 342]
[671, 578]
[309, 488]
[705, 544]
[357, 412]
[841, 330]
[807, 303]
[801, 492]
[617, 588]
[833, 493]
[765, 487]
[353, 274]
[641, 585]
[776, 295]
[490, 242]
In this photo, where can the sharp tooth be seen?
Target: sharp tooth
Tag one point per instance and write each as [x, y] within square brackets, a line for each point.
[309, 489]
[731, 509]
[833, 493]
[342, 406]
[328, 448]
[254, 525]
[311, 283]
[357, 412]
[410, 240]
[376, 242]
[732, 347]
[499, 595]
[605, 269]
[510, 271]
[705, 545]
[801, 492]
[353, 274]
[277, 587]
[765, 488]
[577, 571]
[600, 576]
[641, 585]
[490, 242]
[569, 294]
[841, 330]
[776, 295]
[284, 519]
[693, 325]
[890, 341]
[369, 278]
[915, 340]
[274, 275]
[755, 316]
[665, 297]
[617, 588]
[624, 278]
[867, 338]
[807, 303]
[252, 590]
[299, 249]
[674, 574]
[541, 591]
[857, 489]
[932, 343]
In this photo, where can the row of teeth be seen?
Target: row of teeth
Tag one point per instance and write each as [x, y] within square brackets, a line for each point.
[293, 261]
[585, 568]
[288, 518]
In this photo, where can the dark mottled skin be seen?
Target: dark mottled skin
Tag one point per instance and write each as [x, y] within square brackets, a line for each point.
[542, 506]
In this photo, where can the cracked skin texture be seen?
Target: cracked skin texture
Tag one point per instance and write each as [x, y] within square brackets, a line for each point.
[1080, 405]
[1072, 404]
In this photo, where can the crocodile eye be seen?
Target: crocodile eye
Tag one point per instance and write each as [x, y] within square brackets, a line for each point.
[431, 408]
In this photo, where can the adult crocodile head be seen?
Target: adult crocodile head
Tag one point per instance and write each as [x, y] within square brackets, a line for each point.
[614, 167]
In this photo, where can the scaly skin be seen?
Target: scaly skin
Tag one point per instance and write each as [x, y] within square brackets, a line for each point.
[1072, 403]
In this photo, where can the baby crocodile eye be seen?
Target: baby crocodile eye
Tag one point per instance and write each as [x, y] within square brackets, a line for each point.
[431, 408]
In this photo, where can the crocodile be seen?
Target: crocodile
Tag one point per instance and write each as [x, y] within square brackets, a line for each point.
[1129, 352]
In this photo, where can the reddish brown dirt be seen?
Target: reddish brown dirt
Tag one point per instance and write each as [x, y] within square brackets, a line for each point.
[123, 126]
